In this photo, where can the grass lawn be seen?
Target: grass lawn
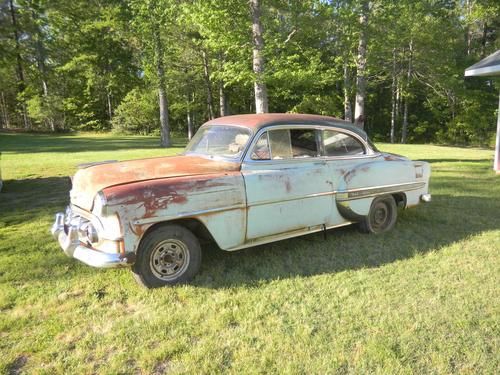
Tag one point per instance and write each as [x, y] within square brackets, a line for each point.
[423, 298]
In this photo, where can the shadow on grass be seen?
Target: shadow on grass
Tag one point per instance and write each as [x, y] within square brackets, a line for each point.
[29, 198]
[446, 220]
[419, 230]
[37, 143]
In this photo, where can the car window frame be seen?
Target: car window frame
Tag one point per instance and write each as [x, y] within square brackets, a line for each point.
[363, 145]
[252, 135]
[369, 152]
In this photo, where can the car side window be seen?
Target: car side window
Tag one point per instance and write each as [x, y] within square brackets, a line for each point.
[287, 144]
[304, 143]
[261, 149]
[340, 144]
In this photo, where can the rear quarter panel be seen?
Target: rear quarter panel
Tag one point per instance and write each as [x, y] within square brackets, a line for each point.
[387, 175]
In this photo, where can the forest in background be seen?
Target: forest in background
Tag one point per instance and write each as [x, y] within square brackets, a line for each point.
[154, 67]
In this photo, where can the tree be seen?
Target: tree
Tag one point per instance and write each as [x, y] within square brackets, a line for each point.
[151, 17]
[21, 84]
[260, 88]
[359, 109]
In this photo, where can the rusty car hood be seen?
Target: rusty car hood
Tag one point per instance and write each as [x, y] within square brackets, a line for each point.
[89, 180]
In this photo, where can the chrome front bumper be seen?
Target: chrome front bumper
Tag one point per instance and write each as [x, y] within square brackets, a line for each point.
[68, 238]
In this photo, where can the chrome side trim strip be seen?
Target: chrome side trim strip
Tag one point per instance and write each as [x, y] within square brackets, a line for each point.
[181, 215]
[377, 190]
[352, 193]
[296, 233]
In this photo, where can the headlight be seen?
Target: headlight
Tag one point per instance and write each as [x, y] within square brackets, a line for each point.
[99, 207]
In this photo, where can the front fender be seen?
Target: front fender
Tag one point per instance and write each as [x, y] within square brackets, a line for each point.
[216, 200]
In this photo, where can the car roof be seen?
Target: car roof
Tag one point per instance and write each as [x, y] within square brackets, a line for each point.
[258, 121]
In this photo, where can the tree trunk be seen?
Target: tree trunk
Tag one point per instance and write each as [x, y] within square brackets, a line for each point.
[261, 101]
[208, 86]
[359, 111]
[483, 40]
[5, 112]
[21, 84]
[110, 104]
[347, 89]
[404, 133]
[468, 32]
[223, 107]
[41, 56]
[393, 97]
[398, 101]
[496, 163]
[189, 117]
[222, 100]
[190, 124]
[162, 91]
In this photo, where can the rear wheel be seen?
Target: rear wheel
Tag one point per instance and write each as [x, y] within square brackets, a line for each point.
[382, 216]
[168, 255]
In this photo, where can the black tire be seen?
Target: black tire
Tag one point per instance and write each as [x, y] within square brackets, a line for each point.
[168, 255]
[382, 216]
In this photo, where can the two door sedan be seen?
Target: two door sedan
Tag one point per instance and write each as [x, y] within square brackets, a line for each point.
[242, 181]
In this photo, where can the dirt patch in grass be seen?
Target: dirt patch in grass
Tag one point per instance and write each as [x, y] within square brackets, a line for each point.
[17, 365]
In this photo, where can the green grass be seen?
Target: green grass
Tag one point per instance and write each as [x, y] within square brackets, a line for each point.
[423, 298]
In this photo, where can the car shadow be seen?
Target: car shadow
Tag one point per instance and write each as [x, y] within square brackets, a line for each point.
[29, 198]
[418, 231]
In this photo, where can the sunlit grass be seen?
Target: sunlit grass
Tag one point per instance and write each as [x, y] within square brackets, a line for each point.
[423, 298]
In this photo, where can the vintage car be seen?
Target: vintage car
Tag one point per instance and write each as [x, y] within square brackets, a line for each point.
[242, 181]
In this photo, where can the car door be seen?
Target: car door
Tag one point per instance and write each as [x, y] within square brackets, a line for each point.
[287, 183]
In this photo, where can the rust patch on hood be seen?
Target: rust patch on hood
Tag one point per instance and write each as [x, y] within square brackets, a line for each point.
[89, 181]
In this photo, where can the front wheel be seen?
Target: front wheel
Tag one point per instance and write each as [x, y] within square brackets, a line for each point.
[382, 216]
[168, 255]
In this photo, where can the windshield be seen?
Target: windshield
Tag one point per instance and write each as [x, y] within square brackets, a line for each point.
[218, 140]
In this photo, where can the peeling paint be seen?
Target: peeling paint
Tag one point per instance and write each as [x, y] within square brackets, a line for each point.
[89, 181]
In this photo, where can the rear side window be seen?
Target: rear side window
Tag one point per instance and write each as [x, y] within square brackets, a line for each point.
[341, 144]
[294, 143]
[304, 143]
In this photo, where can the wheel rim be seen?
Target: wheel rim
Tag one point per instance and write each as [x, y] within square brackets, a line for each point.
[169, 259]
[380, 216]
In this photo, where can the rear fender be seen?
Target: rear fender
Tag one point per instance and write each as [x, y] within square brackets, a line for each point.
[358, 187]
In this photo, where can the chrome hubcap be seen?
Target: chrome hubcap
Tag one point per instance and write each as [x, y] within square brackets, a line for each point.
[169, 259]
